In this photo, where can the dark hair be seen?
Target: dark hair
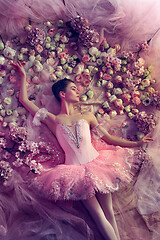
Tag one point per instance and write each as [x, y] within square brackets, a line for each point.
[61, 85]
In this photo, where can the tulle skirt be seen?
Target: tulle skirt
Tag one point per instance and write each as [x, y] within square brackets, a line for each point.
[107, 173]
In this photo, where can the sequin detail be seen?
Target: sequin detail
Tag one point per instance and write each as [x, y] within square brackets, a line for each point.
[74, 137]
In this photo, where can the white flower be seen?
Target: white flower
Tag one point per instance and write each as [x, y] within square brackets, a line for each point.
[9, 52]
[1, 80]
[112, 51]
[1, 45]
[93, 51]
[117, 91]
[112, 98]
[7, 100]
[2, 60]
[38, 67]
[112, 113]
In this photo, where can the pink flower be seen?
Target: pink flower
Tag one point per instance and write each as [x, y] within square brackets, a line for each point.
[106, 76]
[118, 102]
[62, 55]
[79, 68]
[2, 73]
[112, 113]
[109, 85]
[126, 97]
[65, 50]
[136, 100]
[120, 112]
[50, 61]
[108, 94]
[64, 39]
[86, 82]
[86, 58]
[51, 31]
[39, 48]
[101, 111]
[135, 111]
[10, 91]
[135, 94]
[118, 79]
[79, 78]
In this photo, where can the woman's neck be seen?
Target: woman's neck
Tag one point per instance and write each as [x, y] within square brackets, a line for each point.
[67, 108]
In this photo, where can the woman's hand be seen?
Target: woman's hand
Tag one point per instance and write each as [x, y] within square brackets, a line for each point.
[19, 67]
[145, 139]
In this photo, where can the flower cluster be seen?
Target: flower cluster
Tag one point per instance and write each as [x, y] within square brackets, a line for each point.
[86, 34]
[145, 122]
[35, 36]
[18, 133]
[5, 170]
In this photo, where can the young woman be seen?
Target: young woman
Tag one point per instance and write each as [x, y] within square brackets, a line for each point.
[87, 175]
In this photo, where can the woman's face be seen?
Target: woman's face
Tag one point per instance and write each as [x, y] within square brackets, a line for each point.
[71, 93]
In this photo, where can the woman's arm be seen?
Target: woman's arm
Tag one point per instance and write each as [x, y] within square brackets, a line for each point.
[23, 97]
[114, 140]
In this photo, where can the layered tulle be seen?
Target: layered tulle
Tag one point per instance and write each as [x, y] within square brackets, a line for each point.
[16, 14]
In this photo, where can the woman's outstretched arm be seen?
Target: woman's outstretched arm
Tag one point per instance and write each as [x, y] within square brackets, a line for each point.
[23, 96]
[114, 140]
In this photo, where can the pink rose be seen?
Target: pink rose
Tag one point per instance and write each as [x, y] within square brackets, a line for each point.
[86, 58]
[101, 111]
[65, 50]
[109, 85]
[112, 113]
[106, 76]
[64, 39]
[118, 79]
[10, 91]
[135, 111]
[2, 73]
[120, 112]
[79, 78]
[62, 55]
[135, 94]
[86, 82]
[118, 102]
[39, 48]
[108, 94]
[50, 61]
[79, 68]
[136, 100]
[126, 97]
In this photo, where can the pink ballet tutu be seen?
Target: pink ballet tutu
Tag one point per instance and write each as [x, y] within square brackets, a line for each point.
[86, 170]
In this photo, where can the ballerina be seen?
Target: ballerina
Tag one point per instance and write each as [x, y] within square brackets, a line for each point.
[80, 177]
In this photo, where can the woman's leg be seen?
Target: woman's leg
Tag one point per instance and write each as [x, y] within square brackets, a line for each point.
[105, 200]
[97, 214]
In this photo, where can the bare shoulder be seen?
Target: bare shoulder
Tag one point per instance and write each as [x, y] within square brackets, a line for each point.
[91, 119]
